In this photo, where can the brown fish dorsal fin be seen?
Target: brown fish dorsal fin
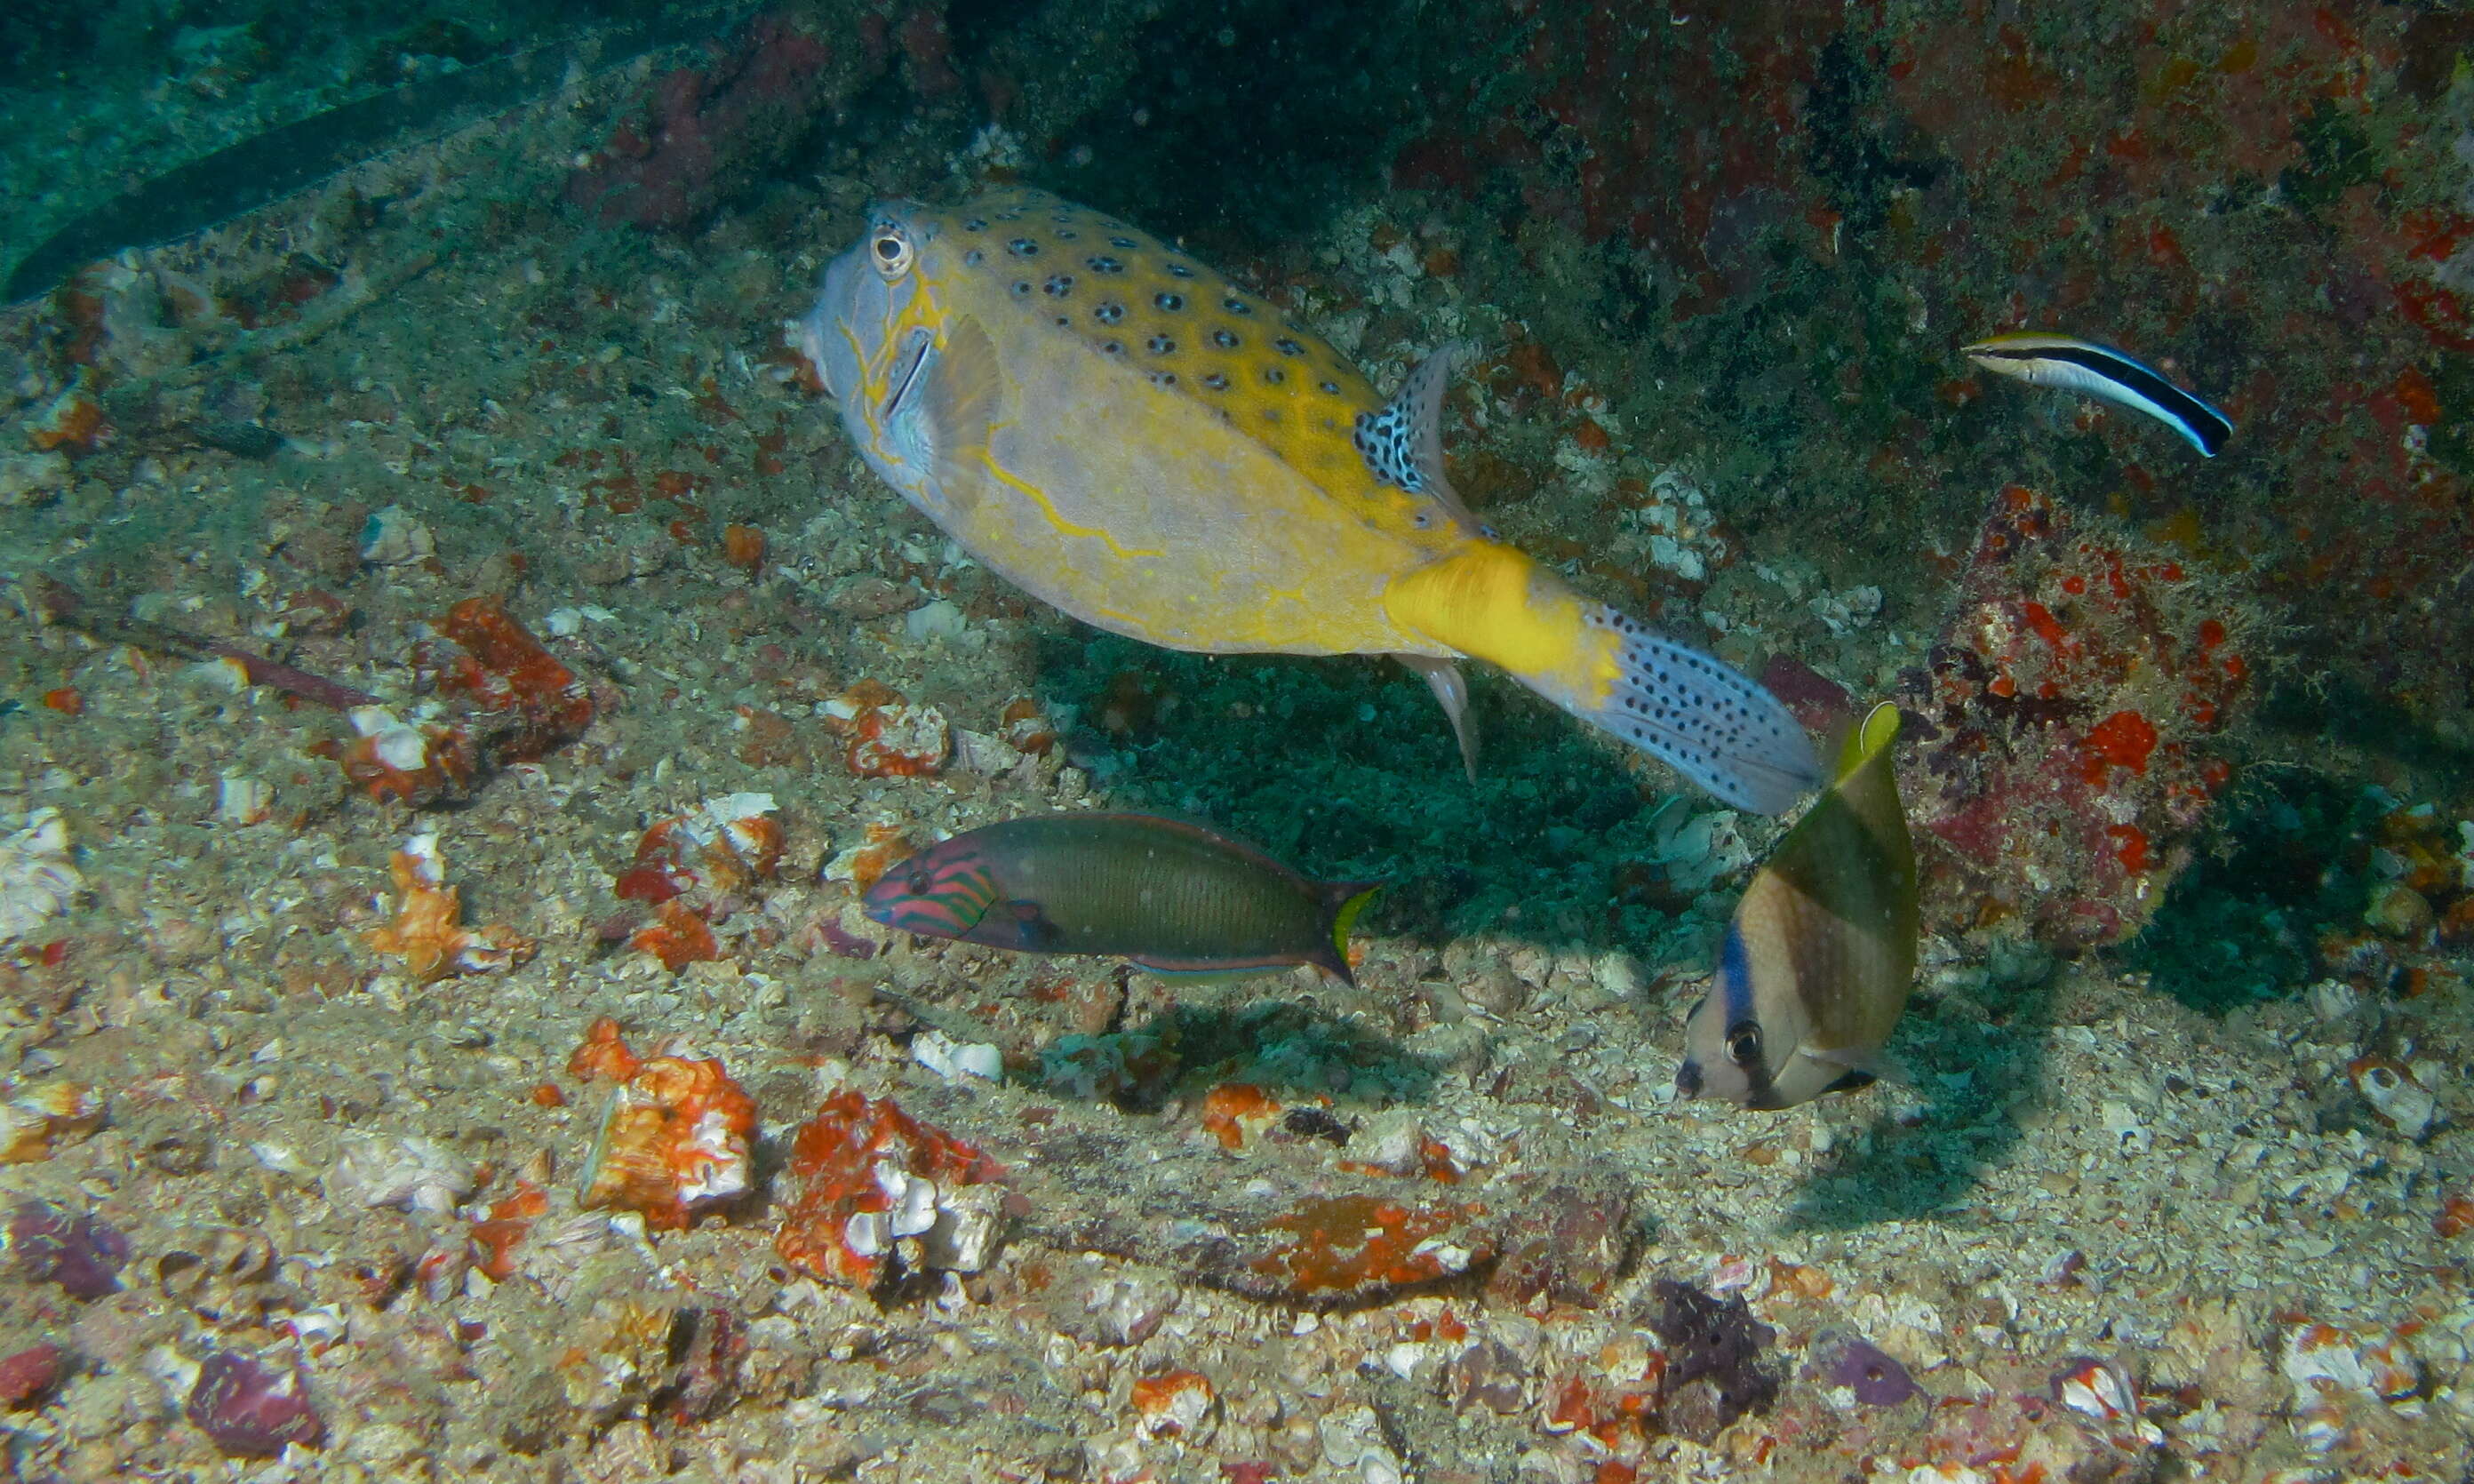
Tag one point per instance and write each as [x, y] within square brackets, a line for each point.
[1178, 824]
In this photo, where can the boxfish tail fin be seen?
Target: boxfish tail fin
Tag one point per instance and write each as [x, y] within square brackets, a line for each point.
[1347, 901]
[1704, 720]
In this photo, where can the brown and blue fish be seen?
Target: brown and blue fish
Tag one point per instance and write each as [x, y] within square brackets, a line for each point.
[1164, 894]
[1814, 970]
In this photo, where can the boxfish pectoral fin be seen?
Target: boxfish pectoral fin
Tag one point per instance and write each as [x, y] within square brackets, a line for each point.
[1451, 690]
[957, 402]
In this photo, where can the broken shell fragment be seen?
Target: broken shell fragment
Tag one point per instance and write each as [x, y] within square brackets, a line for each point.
[33, 1122]
[413, 766]
[392, 537]
[407, 1172]
[2093, 1388]
[2400, 1100]
[673, 1143]
[950, 1058]
[863, 861]
[1174, 1405]
[240, 800]
[36, 880]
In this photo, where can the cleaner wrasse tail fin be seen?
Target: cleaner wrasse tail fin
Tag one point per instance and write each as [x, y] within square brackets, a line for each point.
[1672, 701]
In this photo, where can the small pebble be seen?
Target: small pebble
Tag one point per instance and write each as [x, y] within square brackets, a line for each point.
[392, 537]
[250, 1411]
[2398, 910]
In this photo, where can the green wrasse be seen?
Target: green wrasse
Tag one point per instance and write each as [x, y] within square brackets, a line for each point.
[1816, 964]
[1167, 895]
[1157, 451]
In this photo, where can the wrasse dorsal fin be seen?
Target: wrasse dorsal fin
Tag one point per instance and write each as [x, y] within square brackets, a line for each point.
[1403, 443]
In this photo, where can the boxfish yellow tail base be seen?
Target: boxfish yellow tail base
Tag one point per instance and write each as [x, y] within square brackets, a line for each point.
[1492, 603]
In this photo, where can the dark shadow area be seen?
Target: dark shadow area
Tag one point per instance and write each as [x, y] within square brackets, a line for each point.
[2347, 713]
[1249, 121]
[2239, 924]
[1287, 1048]
[1347, 768]
[1895, 1171]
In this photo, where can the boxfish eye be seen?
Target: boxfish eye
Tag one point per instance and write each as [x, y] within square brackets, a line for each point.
[1744, 1043]
[891, 252]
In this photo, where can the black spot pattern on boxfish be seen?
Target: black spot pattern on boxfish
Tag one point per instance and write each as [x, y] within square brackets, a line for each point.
[1194, 331]
[1384, 439]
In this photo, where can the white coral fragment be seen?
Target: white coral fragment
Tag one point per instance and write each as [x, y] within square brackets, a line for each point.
[37, 882]
[404, 1171]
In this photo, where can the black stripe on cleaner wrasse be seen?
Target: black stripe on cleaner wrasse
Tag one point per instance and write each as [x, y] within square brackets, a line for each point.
[1163, 895]
[2100, 371]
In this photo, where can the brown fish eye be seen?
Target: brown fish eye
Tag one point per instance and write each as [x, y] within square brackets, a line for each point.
[1744, 1045]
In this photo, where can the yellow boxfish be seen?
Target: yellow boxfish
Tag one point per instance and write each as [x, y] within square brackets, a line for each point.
[1816, 964]
[1170, 896]
[1156, 451]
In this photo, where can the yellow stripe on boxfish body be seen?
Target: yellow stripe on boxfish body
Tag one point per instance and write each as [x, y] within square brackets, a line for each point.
[1172, 897]
[1157, 451]
[2100, 371]
[1815, 967]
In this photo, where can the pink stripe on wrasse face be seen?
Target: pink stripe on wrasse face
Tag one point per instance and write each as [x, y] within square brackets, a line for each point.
[956, 895]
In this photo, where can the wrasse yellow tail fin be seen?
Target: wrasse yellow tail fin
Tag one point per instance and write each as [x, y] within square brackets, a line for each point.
[1710, 723]
[1354, 898]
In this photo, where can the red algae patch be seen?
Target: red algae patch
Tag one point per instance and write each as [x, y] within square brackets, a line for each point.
[502, 668]
[428, 933]
[877, 1185]
[1335, 1248]
[673, 1143]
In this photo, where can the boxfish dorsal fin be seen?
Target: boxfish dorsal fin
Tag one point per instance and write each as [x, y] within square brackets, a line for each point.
[1403, 443]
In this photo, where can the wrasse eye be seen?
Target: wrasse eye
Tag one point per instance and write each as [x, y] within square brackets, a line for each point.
[1744, 1044]
[918, 883]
